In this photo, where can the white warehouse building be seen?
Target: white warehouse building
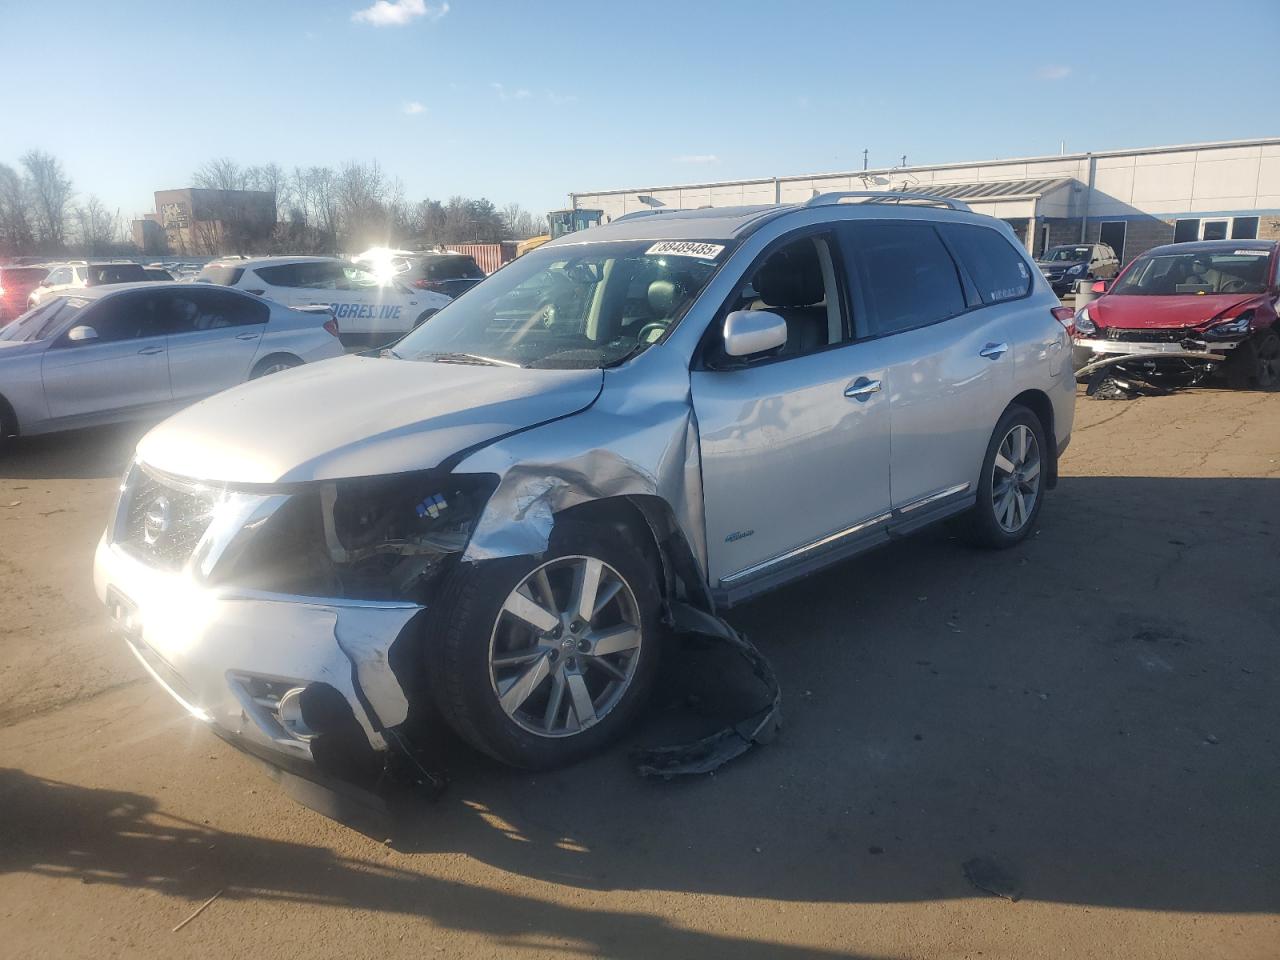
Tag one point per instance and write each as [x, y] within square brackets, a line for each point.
[1130, 199]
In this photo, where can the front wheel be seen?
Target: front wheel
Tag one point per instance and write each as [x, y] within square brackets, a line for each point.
[541, 661]
[1255, 364]
[1011, 487]
[424, 317]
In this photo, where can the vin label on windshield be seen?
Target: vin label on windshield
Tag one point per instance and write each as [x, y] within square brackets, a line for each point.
[685, 248]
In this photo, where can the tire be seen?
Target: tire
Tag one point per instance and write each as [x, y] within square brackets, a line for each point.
[424, 317]
[995, 521]
[476, 647]
[274, 364]
[1255, 364]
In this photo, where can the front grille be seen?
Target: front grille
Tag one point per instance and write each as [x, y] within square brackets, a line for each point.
[1149, 336]
[163, 522]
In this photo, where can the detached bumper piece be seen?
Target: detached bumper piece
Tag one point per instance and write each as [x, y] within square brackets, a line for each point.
[712, 752]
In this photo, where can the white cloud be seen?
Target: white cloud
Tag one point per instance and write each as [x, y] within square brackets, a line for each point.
[558, 99]
[519, 93]
[697, 158]
[1054, 71]
[396, 13]
[412, 107]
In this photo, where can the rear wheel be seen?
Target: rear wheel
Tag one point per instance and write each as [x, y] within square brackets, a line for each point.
[274, 364]
[541, 661]
[1011, 488]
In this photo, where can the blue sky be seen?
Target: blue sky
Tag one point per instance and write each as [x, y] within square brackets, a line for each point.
[527, 101]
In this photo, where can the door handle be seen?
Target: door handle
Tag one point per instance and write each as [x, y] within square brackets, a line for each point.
[861, 389]
[247, 336]
[150, 351]
[994, 351]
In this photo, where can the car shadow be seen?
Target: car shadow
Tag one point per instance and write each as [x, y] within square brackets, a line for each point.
[91, 453]
[1091, 713]
[96, 836]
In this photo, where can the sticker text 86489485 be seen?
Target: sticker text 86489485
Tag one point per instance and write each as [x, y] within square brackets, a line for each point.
[366, 311]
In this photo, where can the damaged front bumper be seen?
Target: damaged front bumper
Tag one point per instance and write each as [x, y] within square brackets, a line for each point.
[302, 681]
[1090, 355]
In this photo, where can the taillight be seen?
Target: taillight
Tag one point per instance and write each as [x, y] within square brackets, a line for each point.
[1067, 317]
[429, 284]
[331, 326]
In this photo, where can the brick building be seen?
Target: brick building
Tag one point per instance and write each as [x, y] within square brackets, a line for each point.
[1130, 199]
[197, 222]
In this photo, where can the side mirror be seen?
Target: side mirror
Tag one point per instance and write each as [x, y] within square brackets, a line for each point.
[44, 282]
[1101, 286]
[82, 334]
[749, 332]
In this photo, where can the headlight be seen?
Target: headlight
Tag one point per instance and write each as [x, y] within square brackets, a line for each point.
[1084, 323]
[1076, 270]
[382, 538]
[1237, 327]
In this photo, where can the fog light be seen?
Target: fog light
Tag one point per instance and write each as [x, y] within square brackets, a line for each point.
[289, 710]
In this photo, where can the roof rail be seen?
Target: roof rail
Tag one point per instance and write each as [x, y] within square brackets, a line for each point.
[637, 214]
[887, 196]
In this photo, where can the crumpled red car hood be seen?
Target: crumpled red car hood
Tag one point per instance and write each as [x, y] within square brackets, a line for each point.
[1179, 310]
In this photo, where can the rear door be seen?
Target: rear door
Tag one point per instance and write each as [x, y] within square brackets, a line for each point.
[125, 368]
[213, 337]
[948, 359]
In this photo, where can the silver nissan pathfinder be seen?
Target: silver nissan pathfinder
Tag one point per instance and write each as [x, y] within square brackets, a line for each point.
[499, 516]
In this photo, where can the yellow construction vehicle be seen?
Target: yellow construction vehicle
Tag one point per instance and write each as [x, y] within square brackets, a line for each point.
[560, 222]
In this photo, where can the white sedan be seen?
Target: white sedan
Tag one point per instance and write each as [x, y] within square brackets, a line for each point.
[128, 351]
[370, 311]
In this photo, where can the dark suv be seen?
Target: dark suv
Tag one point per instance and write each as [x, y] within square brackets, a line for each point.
[16, 284]
[1068, 263]
[452, 274]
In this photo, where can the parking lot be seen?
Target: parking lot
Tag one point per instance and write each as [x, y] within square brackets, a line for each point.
[1092, 712]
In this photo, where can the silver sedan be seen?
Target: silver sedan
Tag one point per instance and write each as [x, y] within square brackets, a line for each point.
[135, 350]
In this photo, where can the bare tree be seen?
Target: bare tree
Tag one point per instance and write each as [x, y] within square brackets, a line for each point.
[521, 224]
[17, 234]
[99, 230]
[220, 174]
[51, 192]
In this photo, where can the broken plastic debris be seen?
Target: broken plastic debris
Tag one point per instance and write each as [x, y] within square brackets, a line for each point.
[712, 752]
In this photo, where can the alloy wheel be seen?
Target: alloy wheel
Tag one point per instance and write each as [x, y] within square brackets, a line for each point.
[565, 646]
[1015, 478]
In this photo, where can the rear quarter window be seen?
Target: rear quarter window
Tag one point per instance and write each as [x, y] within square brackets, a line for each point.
[220, 275]
[996, 267]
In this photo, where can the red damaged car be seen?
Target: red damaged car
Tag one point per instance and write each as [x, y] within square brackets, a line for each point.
[1181, 312]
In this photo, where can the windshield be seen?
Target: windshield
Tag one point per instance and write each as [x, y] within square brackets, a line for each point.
[1067, 254]
[41, 322]
[582, 306]
[1167, 274]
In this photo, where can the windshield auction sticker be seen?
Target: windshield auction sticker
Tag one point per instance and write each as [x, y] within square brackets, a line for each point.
[685, 248]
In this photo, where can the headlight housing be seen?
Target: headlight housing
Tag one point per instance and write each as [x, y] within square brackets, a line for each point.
[1084, 323]
[1076, 270]
[1229, 329]
[376, 538]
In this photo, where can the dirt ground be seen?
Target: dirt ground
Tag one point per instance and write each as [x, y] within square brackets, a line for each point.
[1093, 712]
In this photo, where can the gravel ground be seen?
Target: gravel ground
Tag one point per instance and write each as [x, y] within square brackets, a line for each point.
[1088, 721]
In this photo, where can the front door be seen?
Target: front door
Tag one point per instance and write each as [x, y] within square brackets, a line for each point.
[125, 368]
[213, 338]
[795, 447]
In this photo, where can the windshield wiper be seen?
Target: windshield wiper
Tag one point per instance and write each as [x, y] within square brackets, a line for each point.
[473, 358]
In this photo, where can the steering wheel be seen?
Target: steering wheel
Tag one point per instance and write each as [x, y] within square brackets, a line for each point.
[545, 315]
[645, 333]
[1234, 286]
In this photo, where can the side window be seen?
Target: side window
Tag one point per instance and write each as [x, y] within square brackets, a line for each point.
[353, 277]
[284, 275]
[798, 282]
[59, 276]
[129, 316]
[997, 269]
[193, 311]
[905, 273]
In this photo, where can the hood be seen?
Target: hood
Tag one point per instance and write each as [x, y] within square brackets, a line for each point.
[1056, 265]
[14, 348]
[1179, 310]
[358, 416]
